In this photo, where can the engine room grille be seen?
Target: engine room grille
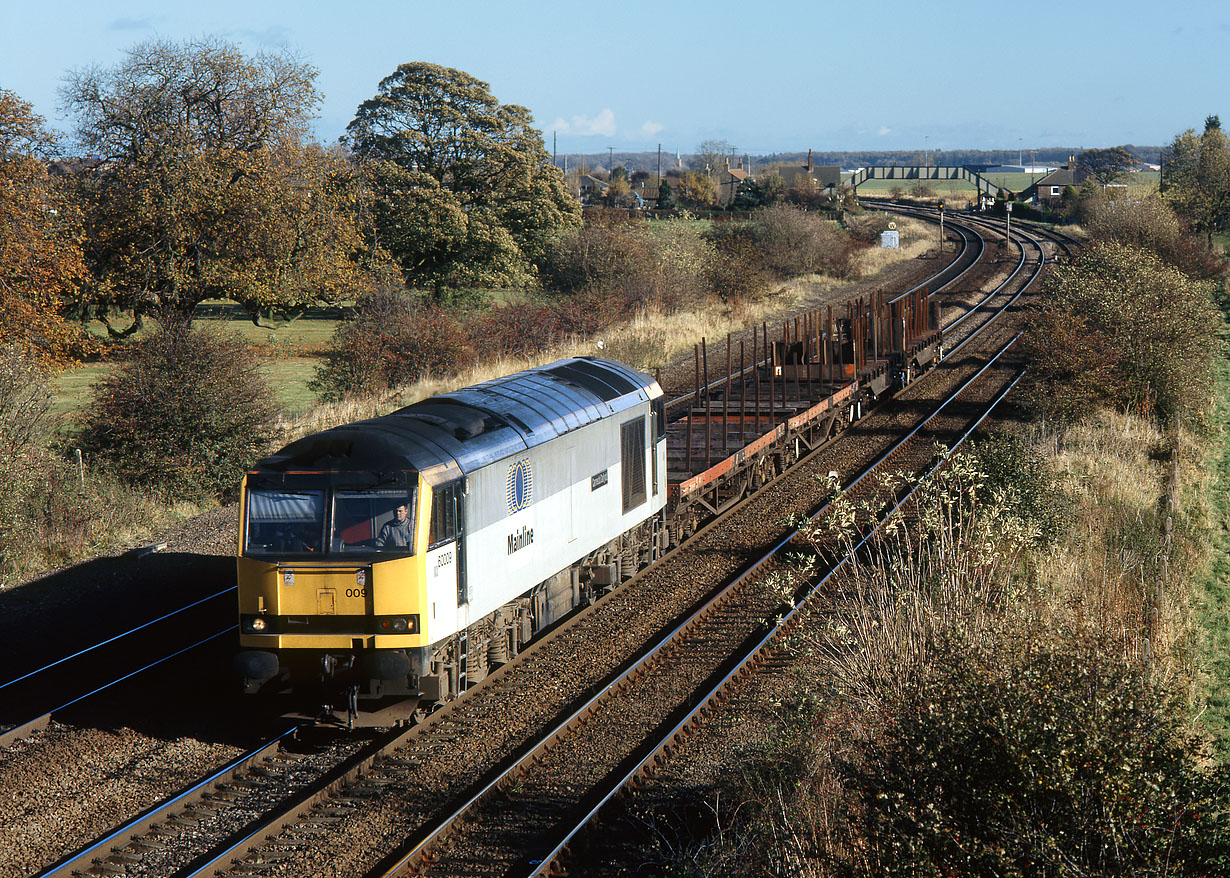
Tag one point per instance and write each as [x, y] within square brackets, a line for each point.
[632, 446]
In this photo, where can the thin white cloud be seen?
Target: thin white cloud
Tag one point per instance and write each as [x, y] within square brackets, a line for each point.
[649, 129]
[125, 22]
[602, 124]
[276, 35]
[884, 131]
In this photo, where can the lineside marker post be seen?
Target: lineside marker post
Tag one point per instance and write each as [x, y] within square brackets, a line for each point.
[941, 227]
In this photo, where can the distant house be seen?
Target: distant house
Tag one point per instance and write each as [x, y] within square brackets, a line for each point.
[728, 183]
[1049, 190]
[810, 175]
[592, 187]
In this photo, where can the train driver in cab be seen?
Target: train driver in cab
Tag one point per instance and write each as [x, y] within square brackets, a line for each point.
[398, 532]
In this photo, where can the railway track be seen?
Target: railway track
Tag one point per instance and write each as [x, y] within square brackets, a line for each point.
[580, 764]
[464, 748]
[427, 744]
[28, 701]
[913, 454]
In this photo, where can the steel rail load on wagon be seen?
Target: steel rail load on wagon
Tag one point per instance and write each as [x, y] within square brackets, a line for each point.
[406, 555]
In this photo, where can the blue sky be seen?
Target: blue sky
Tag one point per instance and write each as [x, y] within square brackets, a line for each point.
[764, 76]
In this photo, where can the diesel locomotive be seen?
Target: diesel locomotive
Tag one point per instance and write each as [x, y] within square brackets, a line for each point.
[406, 555]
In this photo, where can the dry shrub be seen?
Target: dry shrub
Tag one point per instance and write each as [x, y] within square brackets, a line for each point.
[792, 242]
[395, 338]
[622, 266]
[866, 228]
[184, 415]
[1034, 757]
[958, 722]
[51, 511]
[608, 246]
[1151, 224]
[737, 275]
[520, 329]
[1124, 329]
[25, 402]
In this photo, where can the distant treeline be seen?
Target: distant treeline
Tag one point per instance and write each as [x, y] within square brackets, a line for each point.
[648, 161]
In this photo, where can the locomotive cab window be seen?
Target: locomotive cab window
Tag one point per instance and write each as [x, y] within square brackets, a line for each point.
[632, 455]
[284, 522]
[445, 514]
[374, 521]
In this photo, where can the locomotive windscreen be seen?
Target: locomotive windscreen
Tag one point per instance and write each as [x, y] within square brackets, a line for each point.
[333, 521]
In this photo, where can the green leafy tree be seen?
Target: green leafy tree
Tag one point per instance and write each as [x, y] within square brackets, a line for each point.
[666, 196]
[772, 187]
[466, 191]
[748, 196]
[1196, 174]
[209, 187]
[619, 191]
[1107, 165]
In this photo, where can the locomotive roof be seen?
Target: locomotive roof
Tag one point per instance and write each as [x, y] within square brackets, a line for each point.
[474, 426]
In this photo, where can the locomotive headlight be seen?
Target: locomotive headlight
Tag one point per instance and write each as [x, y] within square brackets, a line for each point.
[398, 625]
[254, 624]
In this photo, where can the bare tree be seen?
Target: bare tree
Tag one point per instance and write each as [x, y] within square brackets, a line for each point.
[711, 155]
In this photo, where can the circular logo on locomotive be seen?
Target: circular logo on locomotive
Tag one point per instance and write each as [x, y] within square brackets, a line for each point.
[520, 486]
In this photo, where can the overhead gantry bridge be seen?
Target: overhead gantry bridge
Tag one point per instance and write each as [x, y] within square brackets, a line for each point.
[932, 172]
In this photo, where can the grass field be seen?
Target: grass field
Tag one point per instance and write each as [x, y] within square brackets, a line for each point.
[1213, 590]
[288, 376]
[290, 352]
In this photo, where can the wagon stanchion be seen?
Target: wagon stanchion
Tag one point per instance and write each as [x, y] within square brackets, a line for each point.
[841, 352]
[726, 404]
[742, 397]
[807, 355]
[756, 374]
[829, 347]
[785, 327]
[770, 357]
[873, 310]
[704, 351]
[692, 413]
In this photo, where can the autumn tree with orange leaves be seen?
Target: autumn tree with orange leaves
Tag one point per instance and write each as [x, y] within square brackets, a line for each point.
[41, 266]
